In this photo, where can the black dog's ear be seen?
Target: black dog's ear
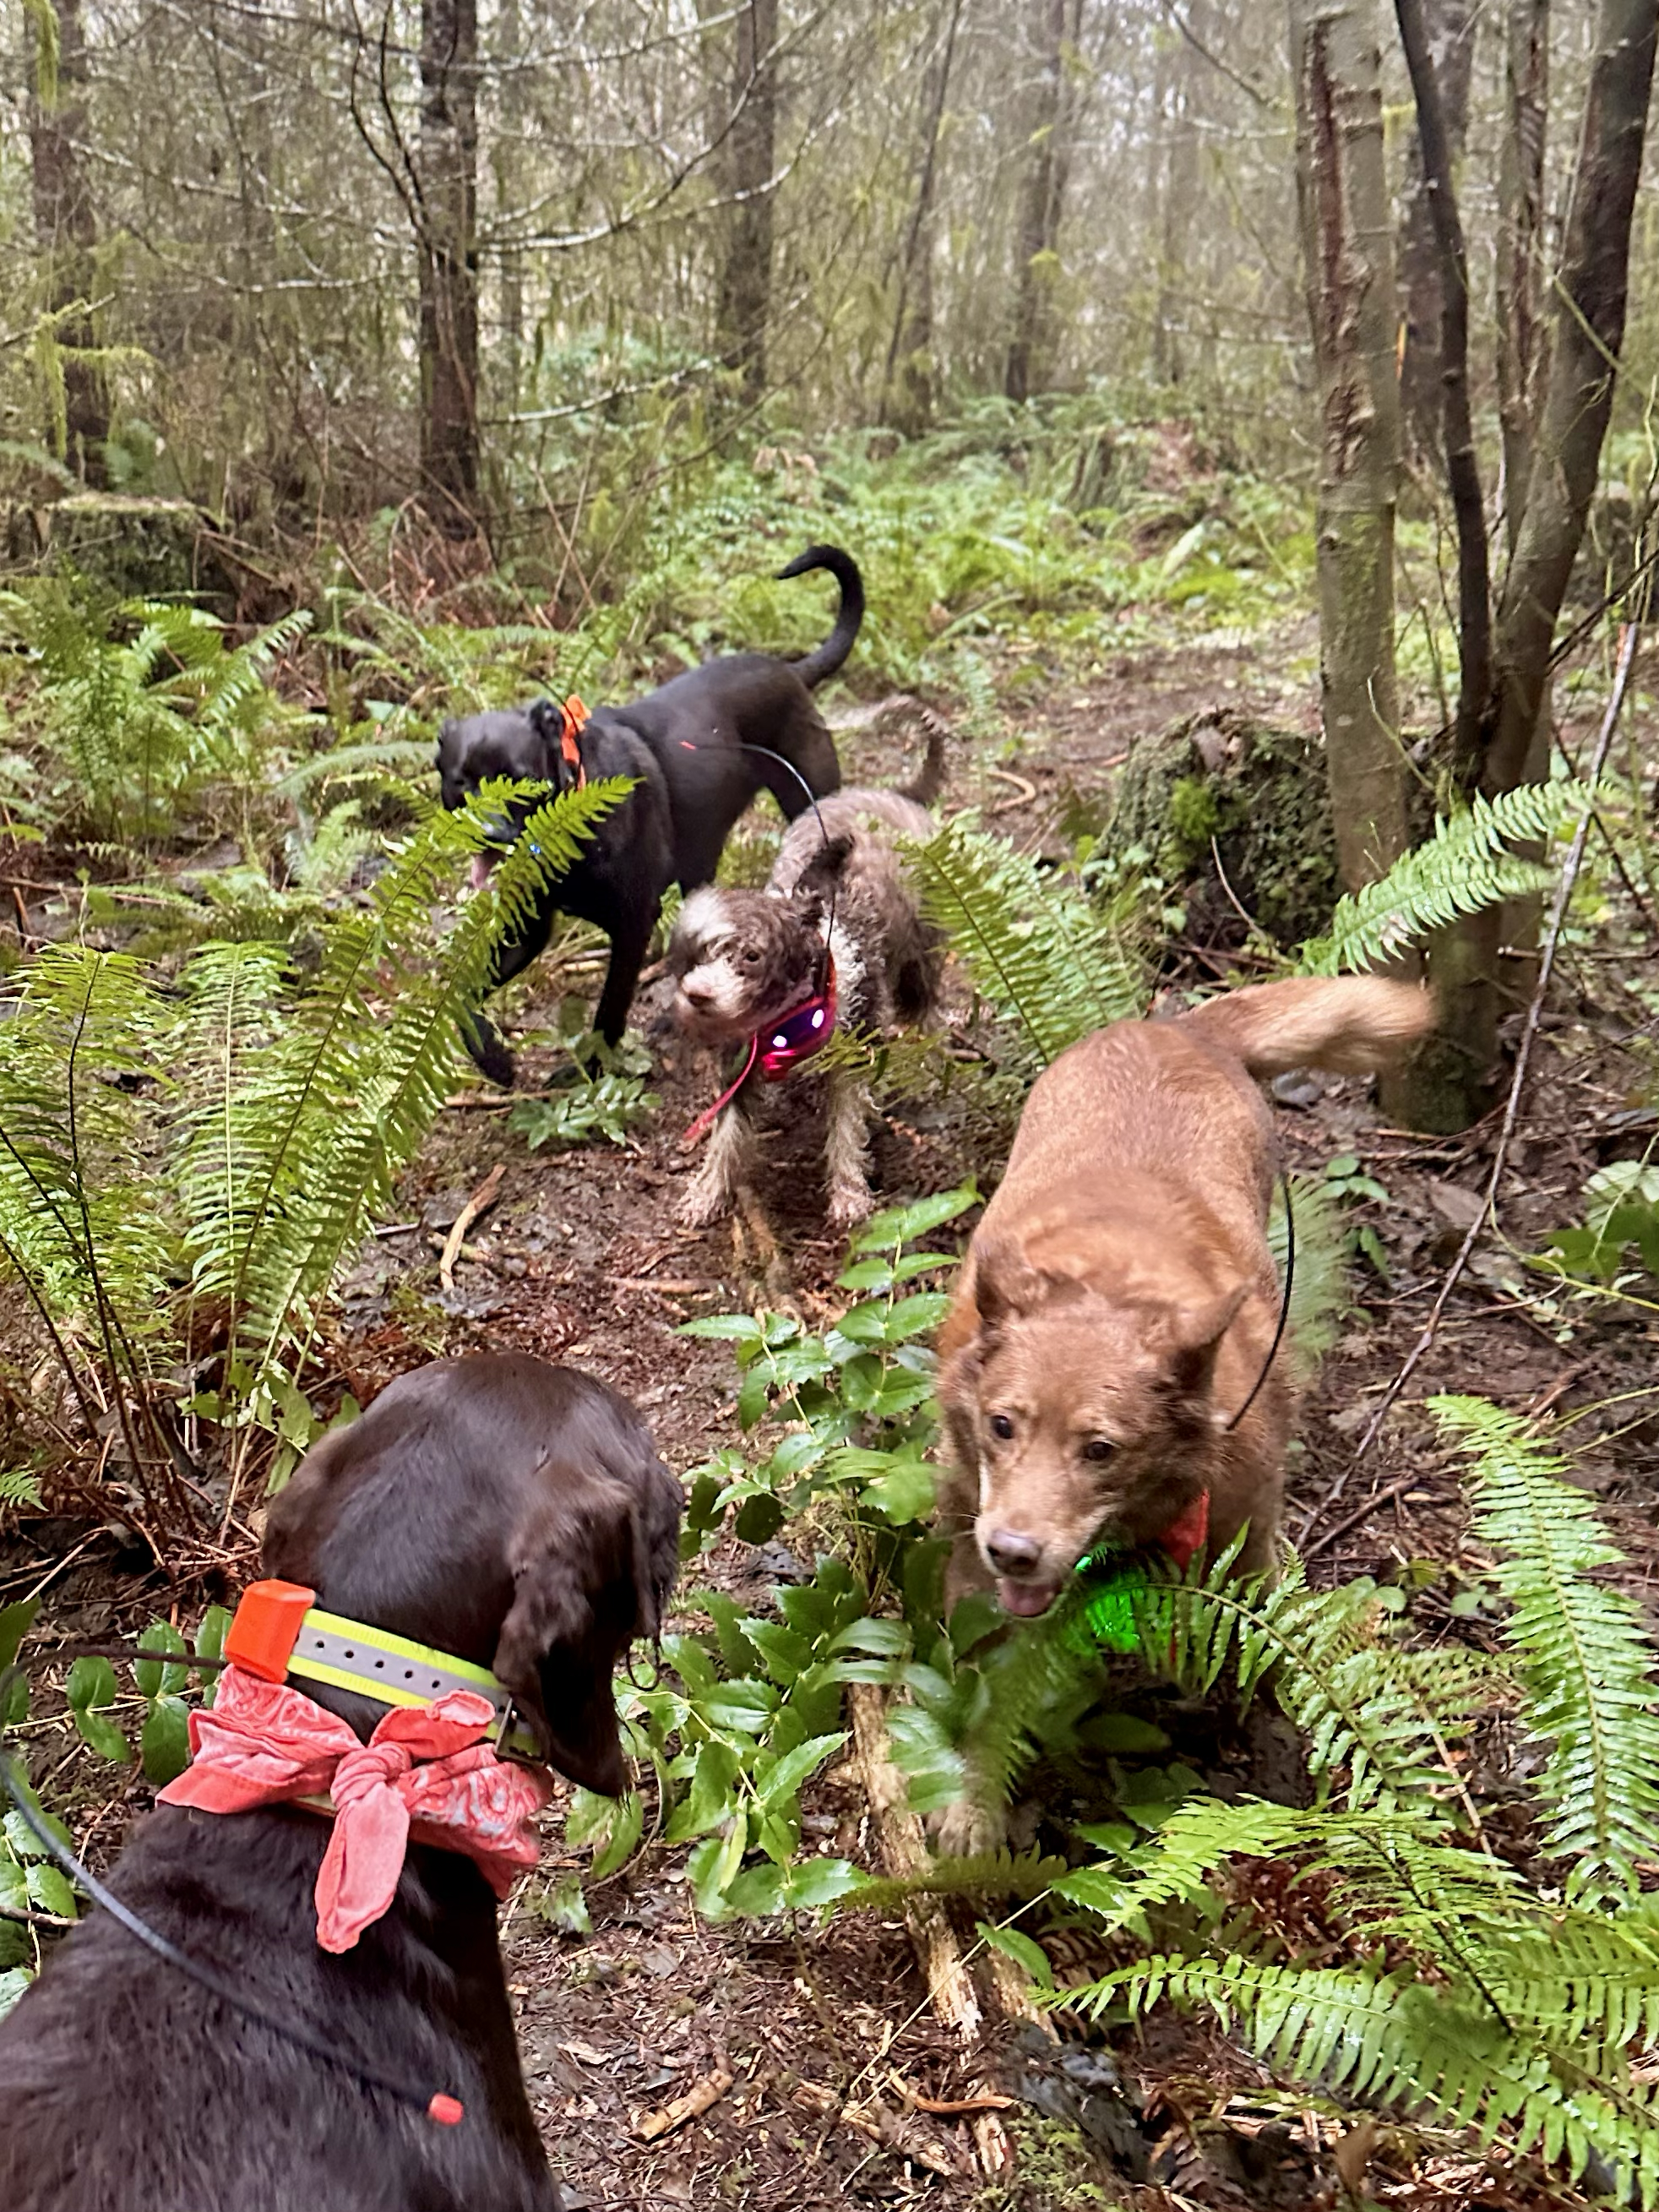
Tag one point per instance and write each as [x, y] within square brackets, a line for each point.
[575, 1601]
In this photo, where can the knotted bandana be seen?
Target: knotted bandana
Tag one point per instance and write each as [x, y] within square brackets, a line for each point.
[427, 1770]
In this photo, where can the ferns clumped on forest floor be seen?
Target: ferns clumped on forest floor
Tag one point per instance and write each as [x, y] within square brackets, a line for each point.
[1442, 1979]
[1466, 1992]
[198, 1157]
[136, 705]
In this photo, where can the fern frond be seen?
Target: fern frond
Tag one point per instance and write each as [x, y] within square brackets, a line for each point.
[1320, 1288]
[986, 1874]
[78, 1210]
[1376, 1723]
[1390, 2038]
[1041, 955]
[308, 1131]
[1585, 1663]
[1465, 865]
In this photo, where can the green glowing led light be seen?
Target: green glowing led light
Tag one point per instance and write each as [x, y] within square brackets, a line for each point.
[1113, 1582]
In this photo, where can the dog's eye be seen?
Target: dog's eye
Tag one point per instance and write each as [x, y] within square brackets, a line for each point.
[1097, 1449]
[1002, 1427]
[749, 956]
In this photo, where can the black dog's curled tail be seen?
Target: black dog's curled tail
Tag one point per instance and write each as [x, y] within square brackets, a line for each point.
[824, 659]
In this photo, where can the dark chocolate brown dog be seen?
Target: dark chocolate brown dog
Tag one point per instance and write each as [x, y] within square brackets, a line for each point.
[497, 1510]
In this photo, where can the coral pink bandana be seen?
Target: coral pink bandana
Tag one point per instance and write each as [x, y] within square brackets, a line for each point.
[265, 1744]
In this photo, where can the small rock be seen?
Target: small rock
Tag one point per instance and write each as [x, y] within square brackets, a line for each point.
[1462, 1207]
[439, 1212]
[660, 1961]
[779, 1564]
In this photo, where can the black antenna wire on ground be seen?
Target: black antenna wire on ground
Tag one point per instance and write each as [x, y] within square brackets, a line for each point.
[435, 2106]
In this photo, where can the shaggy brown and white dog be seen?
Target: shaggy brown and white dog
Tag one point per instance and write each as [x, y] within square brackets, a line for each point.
[742, 960]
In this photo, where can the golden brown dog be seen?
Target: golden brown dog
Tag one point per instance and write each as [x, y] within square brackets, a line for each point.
[1119, 1301]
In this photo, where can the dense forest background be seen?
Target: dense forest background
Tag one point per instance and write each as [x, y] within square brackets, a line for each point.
[329, 258]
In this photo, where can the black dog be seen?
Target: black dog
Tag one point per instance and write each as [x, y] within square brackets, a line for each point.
[681, 743]
[503, 1512]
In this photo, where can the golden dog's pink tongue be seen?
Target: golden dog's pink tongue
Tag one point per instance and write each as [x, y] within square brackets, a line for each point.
[1024, 1600]
[478, 875]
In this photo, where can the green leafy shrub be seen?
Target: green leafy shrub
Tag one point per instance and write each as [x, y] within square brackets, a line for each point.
[1620, 1228]
[605, 1095]
[30, 1882]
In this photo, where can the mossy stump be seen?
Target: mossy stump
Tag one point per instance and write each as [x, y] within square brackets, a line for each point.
[137, 548]
[1220, 795]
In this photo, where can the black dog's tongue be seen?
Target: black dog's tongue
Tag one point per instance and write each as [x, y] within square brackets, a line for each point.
[478, 874]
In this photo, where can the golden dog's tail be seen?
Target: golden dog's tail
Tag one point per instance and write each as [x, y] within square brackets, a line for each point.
[1349, 1025]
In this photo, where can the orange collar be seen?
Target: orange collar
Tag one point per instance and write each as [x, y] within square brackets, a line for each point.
[573, 722]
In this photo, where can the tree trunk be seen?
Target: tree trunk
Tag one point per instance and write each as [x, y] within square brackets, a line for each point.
[508, 158]
[1520, 243]
[1586, 331]
[1521, 352]
[1180, 198]
[1450, 27]
[66, 229]
[908, 381]
[745, 291]
[1031, 346]
[448, 183]
[1342, 192]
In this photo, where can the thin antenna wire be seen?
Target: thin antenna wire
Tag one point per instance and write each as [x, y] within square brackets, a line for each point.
[766, 751]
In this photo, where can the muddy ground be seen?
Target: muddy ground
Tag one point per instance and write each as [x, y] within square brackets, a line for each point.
[825, 2039]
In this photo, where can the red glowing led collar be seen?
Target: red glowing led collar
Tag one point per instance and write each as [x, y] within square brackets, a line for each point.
[780, 1046]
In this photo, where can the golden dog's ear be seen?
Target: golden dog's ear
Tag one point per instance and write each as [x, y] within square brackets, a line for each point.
[1005, 1284]
[1195, 1335]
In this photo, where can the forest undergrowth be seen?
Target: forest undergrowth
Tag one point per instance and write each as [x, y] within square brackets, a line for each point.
[230, 1005]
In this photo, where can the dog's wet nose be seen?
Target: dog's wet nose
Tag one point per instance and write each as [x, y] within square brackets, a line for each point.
[1012, 1554]
[698, 995]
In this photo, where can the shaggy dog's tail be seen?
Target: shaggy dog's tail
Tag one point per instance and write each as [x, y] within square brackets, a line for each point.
[1351, 1024]
[824, 659]
[925, 785]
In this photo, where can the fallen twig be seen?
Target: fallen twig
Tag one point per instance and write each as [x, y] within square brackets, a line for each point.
[905, 1853]
[480, 1199]
[1026, 790]
[988, 2100]
[1360, 1513]
[692, 2106]
[1564, 891]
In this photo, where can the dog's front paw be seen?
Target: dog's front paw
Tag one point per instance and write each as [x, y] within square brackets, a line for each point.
[487, 1054]
[706, 1201]
[968, 1830]
[849, 1204]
